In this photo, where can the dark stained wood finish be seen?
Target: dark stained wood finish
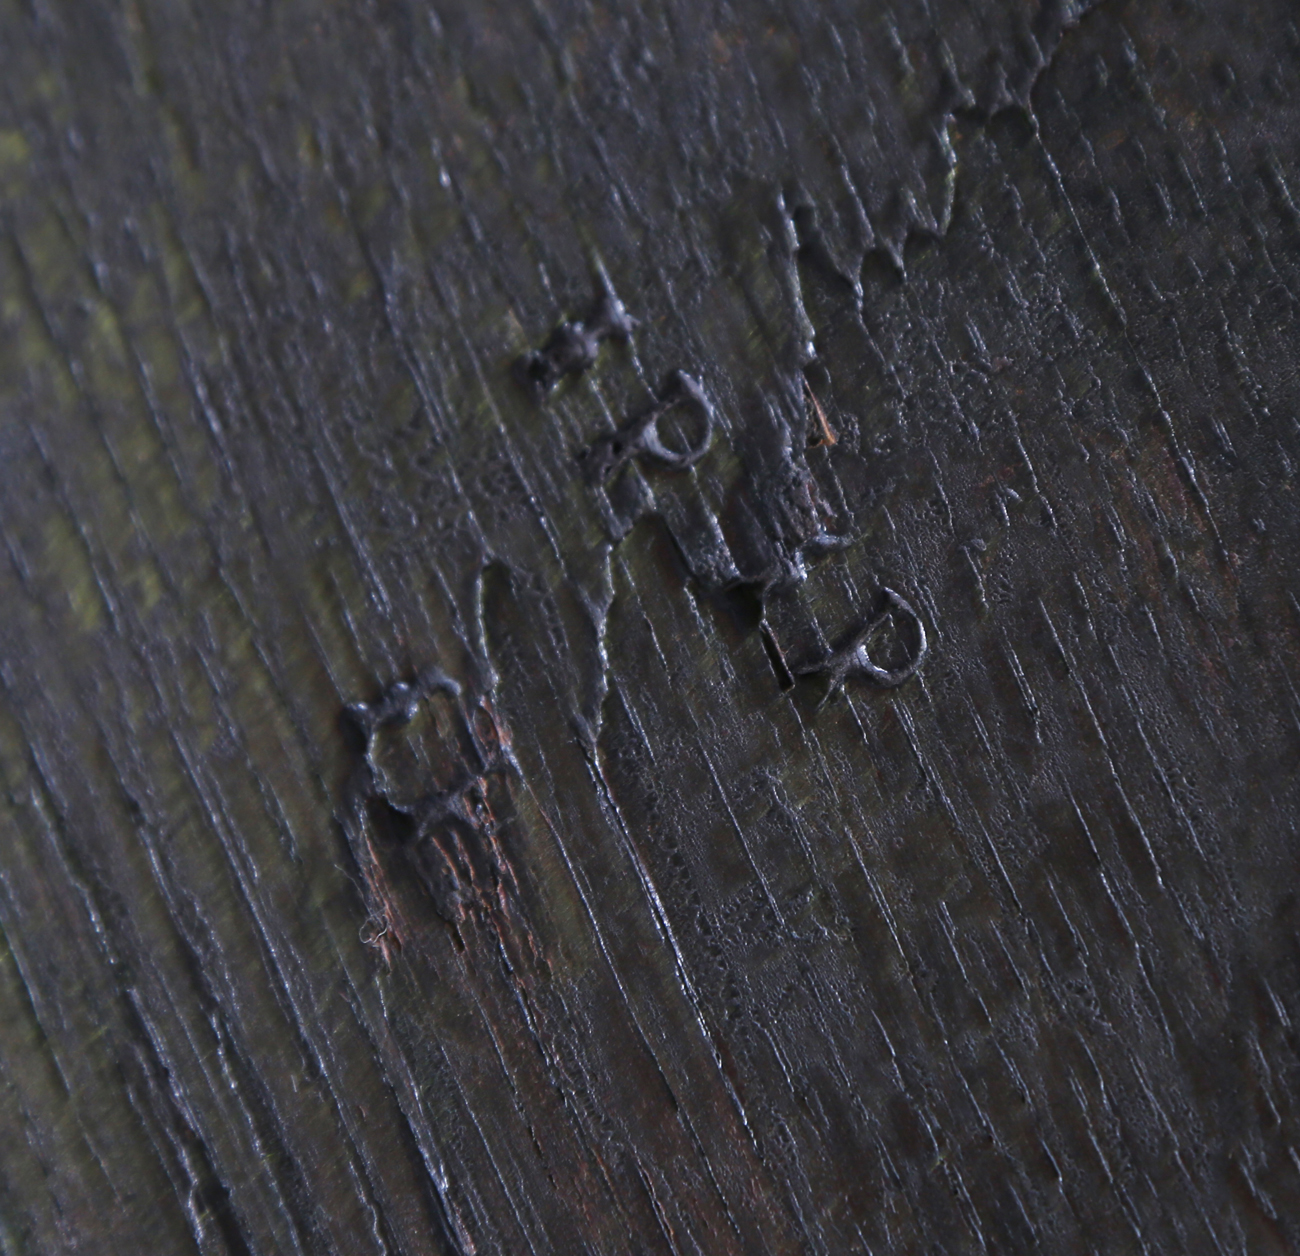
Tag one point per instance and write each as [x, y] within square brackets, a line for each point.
[435, 819]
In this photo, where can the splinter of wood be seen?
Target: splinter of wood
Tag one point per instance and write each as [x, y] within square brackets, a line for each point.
[572, 347]
[641, 439]
[852, 658]
[827, 437]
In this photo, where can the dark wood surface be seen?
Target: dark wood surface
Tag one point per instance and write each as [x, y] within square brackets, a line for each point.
[432, 822]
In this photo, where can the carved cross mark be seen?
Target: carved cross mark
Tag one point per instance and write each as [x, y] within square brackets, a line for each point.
[572, 347]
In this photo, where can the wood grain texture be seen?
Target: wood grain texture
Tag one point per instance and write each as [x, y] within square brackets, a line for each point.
[418, 836]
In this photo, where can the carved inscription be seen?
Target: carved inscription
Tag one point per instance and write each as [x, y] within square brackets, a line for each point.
[427, 808]
[641, 437]
[853, 657]
[572, 348]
